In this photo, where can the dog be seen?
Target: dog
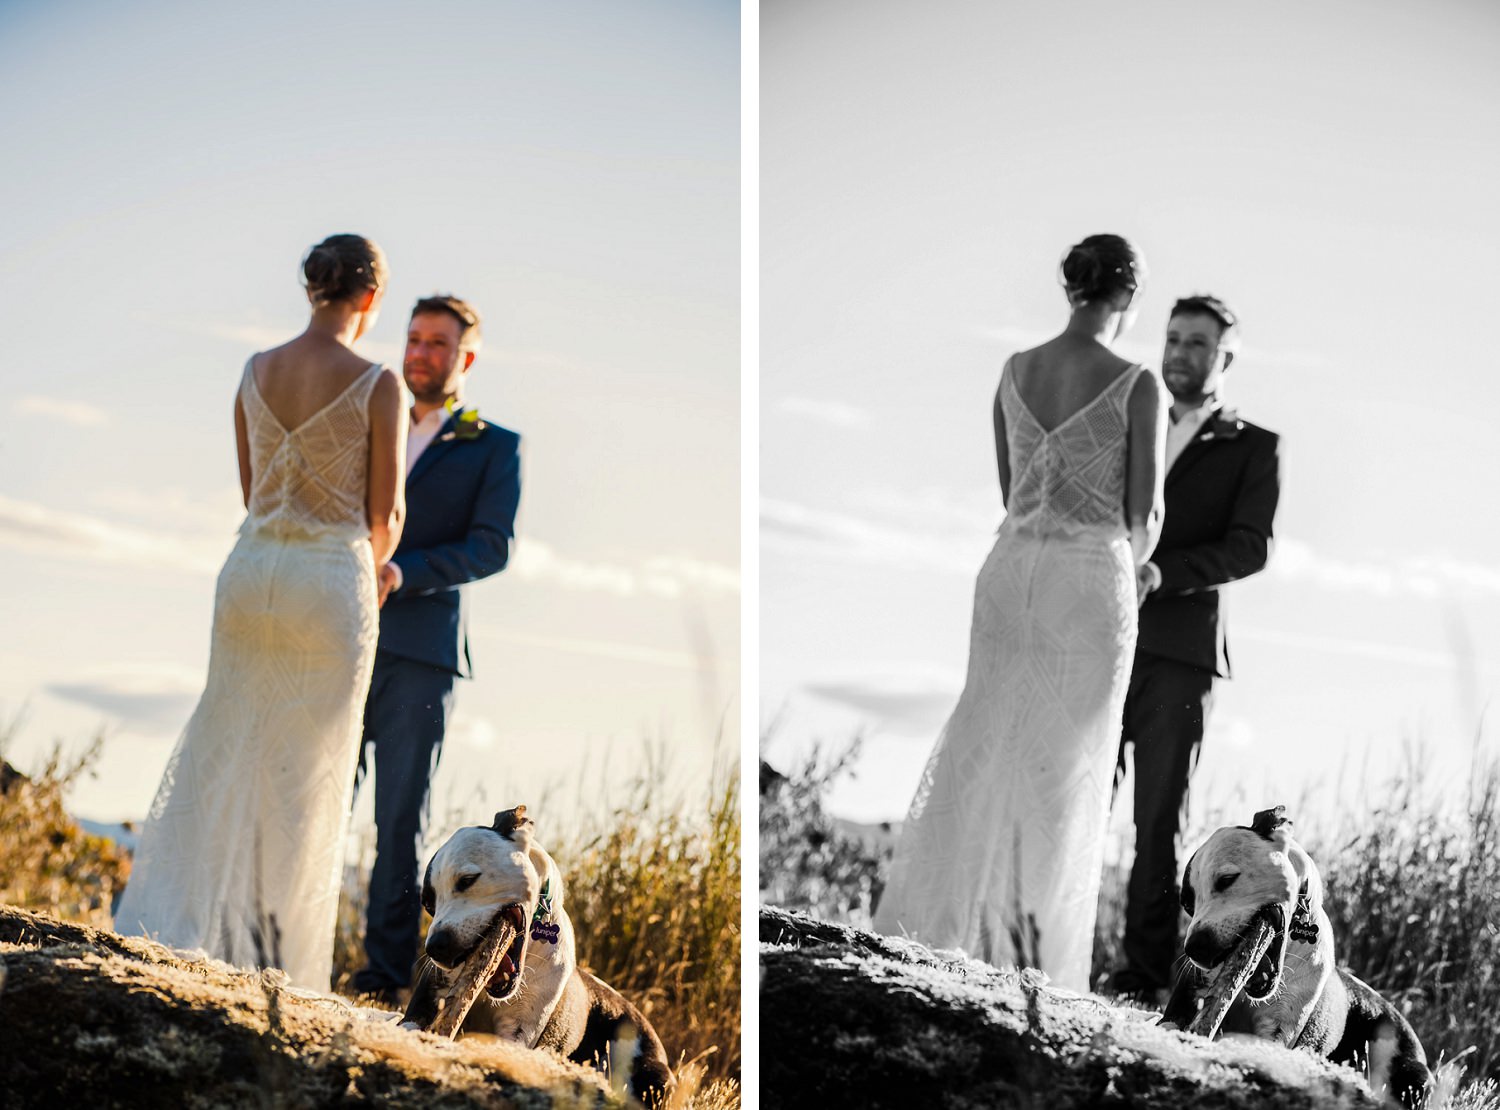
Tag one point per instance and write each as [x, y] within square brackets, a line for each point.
[539, 997]
[1296, 996]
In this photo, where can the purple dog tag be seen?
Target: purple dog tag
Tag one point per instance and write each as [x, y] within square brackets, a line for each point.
[545, 931]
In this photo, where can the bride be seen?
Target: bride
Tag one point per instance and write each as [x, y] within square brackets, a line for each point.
[242, 852]
[1002, 851]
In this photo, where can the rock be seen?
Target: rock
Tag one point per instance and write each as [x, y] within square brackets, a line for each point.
[852, 1019]
[93, 1019]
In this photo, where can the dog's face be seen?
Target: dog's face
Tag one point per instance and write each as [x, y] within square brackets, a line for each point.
[479, 877]
[1236, 874]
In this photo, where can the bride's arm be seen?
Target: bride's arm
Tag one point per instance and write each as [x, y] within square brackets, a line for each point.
[1002, 452]
[385, 505]
[242, 446]
[1146, 446]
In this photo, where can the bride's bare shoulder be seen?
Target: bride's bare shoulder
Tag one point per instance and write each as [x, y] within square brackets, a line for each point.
[311, 353]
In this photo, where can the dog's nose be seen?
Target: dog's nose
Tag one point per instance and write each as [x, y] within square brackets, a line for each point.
[1203, 948]
[442, 946]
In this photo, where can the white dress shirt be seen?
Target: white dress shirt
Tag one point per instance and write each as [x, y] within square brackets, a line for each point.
[422, 432]
[1180, 432]
[419, 436]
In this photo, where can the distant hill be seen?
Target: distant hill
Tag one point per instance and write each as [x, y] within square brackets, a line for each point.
[125, 835]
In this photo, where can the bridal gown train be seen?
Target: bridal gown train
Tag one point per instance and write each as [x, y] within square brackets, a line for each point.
[1002, 850]
[242, 851]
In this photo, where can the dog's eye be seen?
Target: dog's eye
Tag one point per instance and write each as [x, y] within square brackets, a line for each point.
[465, 883]
[1224, 882]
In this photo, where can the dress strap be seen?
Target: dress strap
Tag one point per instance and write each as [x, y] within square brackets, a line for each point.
[1128, 377]
[372, 375]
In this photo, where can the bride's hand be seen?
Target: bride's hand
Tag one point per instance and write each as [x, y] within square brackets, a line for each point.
[385, 582]
[1145, 582]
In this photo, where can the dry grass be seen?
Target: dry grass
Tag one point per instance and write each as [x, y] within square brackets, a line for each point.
[654, 894]
[806, 862]
[1412, 886]
[47, 862]
[655, 900]
[1413, 890]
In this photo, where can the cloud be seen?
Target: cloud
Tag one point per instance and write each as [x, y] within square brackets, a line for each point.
[1231, 732]
[69, 412]
[1282, 360]
[45, 530]
[253, 336]
[147, 698]
[537, 561]
[659, 576]
[1452, 660]
[607, 649]
[1147, 350]
[1014, 336]
[836, 413]
[976, 511]
[1426, 576]
[259, 337]
[797, 529]
[678, 574]
[476, 733]
[218, 513]
[912, 703]
[193, 547]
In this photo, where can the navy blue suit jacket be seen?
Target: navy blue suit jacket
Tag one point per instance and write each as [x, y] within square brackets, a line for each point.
[461, 499]
[1221, 496]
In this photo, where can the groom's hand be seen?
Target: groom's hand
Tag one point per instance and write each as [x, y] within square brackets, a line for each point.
[388, 579]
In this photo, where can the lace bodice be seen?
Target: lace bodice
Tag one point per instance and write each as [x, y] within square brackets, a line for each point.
[1070, 479]
[313, 479]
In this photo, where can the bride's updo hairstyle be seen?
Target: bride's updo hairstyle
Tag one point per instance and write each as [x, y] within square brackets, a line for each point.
[1101, 266]
[342, 267]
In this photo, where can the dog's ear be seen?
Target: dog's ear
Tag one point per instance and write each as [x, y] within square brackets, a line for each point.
[429, 896]
[1189, 901]
[1270, 821]
[1310, 888]
[513, 824]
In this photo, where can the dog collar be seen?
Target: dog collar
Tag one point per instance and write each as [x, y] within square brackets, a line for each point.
[1304, 927]
[542, 928]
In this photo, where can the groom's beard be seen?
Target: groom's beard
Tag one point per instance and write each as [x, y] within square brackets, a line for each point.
[427, 384]
[431, 396]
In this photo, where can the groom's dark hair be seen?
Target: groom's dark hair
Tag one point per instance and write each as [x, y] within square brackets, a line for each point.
[1206, 304]
[461, 310]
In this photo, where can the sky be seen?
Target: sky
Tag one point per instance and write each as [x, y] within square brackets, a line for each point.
[573, 170]
[1328, 169]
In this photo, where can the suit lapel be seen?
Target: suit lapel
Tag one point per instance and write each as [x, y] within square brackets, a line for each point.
[1218, 428]
[439, 446]
[1198, 447]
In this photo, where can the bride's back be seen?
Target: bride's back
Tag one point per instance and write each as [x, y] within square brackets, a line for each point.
[1064, 376]
[307, 423]
[1066, 425]
[304, 376]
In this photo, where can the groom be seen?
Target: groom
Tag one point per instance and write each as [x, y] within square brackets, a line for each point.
[463, 482]
[1222, 484]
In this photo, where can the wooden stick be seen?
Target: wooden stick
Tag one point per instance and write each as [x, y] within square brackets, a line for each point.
[468, 981]
[1234, 973]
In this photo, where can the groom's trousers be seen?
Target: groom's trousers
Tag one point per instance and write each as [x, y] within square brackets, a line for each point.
[405, 719]
[1166, 709]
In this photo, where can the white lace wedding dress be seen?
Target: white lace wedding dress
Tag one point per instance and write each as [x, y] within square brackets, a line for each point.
[242, 852]
[1002, 851]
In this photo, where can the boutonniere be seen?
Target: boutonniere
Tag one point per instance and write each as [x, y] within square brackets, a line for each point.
[1225, 424]
[466, 423]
